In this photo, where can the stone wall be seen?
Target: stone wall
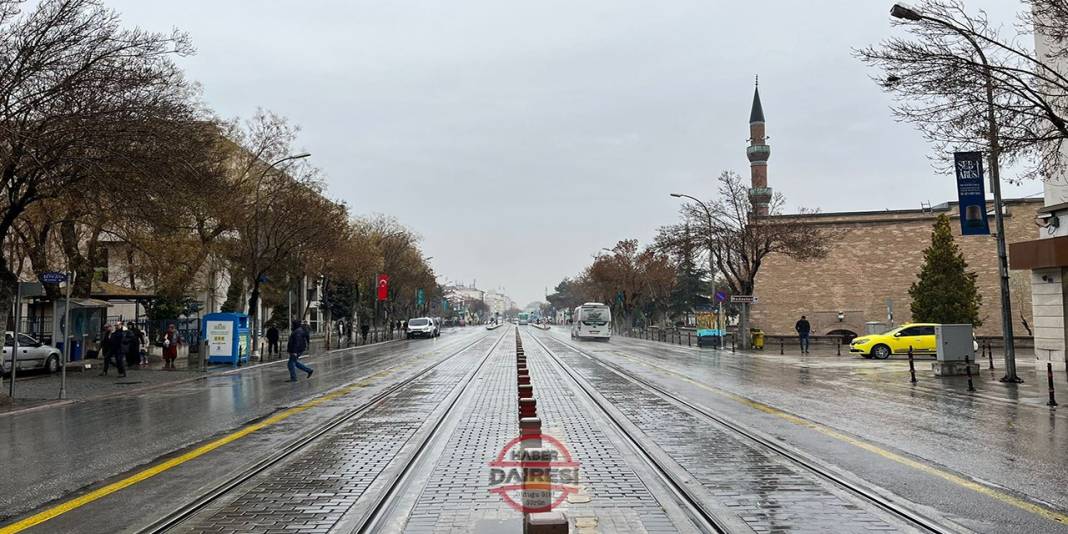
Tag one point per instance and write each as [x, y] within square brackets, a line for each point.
[876, 256]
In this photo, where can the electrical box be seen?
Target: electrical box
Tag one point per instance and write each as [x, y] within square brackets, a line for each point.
[954, 342]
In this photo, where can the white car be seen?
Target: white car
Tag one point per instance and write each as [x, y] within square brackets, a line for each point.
[32, 354]
[422, 327]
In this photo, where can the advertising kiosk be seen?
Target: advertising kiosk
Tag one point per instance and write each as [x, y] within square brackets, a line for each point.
[228, 336]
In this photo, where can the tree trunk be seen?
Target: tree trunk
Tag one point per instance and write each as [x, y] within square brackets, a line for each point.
[253, 312]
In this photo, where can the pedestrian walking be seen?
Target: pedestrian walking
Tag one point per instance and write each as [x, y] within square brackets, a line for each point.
[118, 346]
[171, 341]
[140, 347]
[298, 344]
[272, 341]
[803, 329]
[364, 329]
[104, 348]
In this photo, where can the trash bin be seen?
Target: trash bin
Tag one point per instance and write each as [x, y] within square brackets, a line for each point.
[758, 338]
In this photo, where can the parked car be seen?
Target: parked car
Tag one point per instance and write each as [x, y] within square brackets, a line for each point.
[422, 327]
[920, 336]
[32, 354]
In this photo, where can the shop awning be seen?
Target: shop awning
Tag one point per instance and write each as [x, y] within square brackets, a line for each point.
[1039, 254]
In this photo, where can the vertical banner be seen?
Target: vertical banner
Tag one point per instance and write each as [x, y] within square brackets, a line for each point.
[420, 297]
[383, 287]
[970, 193]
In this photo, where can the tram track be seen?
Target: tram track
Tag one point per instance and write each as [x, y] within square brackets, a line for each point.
[701, 513]
[898, 510]
[384, 505]
[190, 509]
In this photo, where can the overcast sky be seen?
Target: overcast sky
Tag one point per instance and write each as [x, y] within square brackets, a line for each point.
[518, 138]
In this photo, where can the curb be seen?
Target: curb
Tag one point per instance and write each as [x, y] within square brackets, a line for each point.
[57, 403]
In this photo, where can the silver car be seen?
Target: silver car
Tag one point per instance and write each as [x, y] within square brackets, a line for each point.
[32, 354]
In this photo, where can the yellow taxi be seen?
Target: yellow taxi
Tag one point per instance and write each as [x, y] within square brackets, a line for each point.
[919, 336]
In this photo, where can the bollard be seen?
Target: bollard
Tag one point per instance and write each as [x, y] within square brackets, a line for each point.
[536, 463]
[1049, 379]
[732, 343]
[912, 366]
[528, 408]
[524, 380]
[990, 357]
[782, 344]
[553, 522]
[689, 342]
[838, 346]
[968, 369]
[526, 391]
[530, 426]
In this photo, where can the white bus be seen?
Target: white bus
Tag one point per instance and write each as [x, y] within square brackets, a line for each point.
[591, 320]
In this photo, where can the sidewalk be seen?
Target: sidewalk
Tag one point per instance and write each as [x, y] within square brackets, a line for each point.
[37, 389]
[894, 372]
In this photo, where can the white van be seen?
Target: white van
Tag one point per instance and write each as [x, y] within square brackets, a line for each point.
[591, 320]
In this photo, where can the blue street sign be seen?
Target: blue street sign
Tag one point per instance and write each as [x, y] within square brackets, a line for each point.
[970, 193]
[52, 278]
[721, 296]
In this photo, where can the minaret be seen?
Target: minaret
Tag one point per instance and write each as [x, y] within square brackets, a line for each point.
[758, 152]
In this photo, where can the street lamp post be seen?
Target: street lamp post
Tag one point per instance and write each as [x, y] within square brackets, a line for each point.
[905, 13]
[253, 309]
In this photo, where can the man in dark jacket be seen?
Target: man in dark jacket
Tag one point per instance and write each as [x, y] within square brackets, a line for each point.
[272, 341]
[298, 344]
[119, 347]
[803, 329]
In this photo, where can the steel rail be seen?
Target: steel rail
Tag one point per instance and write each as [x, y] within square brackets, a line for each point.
[704, 519]
[383, 506]
[187, 510]
[913, 517]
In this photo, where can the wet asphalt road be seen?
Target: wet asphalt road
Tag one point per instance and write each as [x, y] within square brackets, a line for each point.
[50, 453]
[1019, 446]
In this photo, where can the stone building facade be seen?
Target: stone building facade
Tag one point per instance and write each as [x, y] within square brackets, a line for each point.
[872, 261]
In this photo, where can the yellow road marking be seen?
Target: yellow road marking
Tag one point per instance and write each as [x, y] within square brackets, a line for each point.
[104, 491]
[1006, 498]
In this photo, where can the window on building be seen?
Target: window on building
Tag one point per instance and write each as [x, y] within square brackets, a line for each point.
[313, 319]
[313, 294]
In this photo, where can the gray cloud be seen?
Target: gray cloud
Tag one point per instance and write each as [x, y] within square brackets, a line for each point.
[520, 138]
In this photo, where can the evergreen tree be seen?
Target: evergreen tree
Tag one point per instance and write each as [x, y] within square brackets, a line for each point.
[689, 278]
[945, 291]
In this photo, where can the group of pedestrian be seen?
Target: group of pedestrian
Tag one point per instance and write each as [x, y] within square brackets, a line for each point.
[124, 345]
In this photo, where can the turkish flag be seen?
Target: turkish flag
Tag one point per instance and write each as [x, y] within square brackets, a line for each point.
[383, 287]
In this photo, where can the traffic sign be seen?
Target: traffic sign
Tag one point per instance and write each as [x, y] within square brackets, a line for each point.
[52, 277]
[721, 296]
[744, 298]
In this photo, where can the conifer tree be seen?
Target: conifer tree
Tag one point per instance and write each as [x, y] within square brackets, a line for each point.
[945, 291]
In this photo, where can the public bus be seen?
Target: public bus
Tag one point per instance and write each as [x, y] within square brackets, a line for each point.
[592, 320]
[524, 318]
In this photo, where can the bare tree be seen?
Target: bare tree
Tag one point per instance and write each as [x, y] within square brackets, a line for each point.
[76, 91]
[939, 77]
[737, 242]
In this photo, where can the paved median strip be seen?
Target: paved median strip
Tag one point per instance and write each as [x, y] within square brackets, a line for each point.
[953, 478]
[150, 472]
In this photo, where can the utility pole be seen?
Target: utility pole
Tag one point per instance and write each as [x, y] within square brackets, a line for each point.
[905, 13]
[66, 340]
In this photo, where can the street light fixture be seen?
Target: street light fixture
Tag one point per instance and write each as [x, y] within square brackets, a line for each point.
[902, 12]
[256, 323]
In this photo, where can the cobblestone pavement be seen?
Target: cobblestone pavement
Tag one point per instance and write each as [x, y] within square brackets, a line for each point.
[764, 490]
[312, 490]
[456, 498]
